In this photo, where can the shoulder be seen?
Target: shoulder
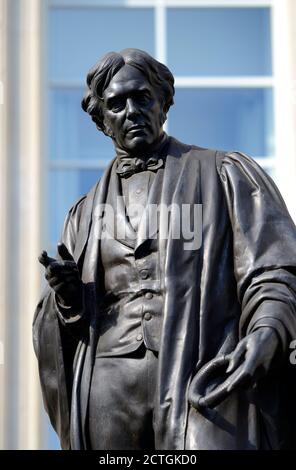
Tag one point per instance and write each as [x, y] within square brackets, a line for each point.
[78, 205]
[241, 167]
[220, 161]
[234, 157]
[77, 219]
[240, 174]
[233, 166]
[201, 153]
[216, 162]
[74, 214]
[81, 209]
[83, 200]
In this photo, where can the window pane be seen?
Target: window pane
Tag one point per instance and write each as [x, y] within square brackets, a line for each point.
[229, 119]
[53, 440]
[72, 133]
[79, 3]
[79, 37]
[219, 41]
[67, 186]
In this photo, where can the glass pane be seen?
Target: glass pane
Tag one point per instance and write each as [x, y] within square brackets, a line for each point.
[68, 186]
[79, 37]
[79, 3]
[219, 41]
[226, 119]
[73, 135]
[53, 440]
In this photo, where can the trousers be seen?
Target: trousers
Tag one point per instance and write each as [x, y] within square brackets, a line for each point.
[121, 402]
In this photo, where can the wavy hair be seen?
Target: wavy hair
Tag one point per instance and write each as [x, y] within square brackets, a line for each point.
[100, 75]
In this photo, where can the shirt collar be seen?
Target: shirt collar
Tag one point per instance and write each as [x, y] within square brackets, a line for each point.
[157, 150]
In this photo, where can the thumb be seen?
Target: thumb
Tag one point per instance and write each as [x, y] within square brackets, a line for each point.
[64, 252]
[45, 260]
[236, 356]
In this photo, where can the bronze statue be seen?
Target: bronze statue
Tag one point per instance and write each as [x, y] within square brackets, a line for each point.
[147, 341]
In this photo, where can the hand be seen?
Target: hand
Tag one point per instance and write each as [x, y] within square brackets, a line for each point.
[63, 277]
[252, 358]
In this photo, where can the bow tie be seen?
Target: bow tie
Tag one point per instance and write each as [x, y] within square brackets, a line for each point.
[129, 166]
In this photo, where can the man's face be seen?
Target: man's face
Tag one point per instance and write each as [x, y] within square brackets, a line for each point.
[133, 113]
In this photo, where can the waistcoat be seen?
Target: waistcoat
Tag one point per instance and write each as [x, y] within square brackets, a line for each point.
[131, 309]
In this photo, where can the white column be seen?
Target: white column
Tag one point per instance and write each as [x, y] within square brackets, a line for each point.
[30, 159]
[20, 244]
[3, 205]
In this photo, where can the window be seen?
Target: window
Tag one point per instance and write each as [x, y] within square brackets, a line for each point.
[78, 36]
[207, 33]
[225, 118]
[222, 61]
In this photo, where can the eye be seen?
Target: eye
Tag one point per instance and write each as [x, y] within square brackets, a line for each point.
[143, 99]
[117, 105]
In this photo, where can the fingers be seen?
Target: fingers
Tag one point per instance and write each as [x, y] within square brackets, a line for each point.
[236, 357]
[246, 365]
[63, 276]
[64, 252]
[45, 260]
[61, 268]
[216, 396]
[69, 279]
[240, 378]
[53, 265]
[244, 375]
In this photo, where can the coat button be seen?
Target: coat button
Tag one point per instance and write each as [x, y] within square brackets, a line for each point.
[144, 273]
[147, 316]
[139, 337]
[148, 295]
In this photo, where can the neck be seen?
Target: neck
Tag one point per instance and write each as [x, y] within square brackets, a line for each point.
[155, 148]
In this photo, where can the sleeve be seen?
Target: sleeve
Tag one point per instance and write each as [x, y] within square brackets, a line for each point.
[54, 347]
[67, 315]
[264, 247]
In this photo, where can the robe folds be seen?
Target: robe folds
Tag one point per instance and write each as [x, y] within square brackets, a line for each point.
[242, 276]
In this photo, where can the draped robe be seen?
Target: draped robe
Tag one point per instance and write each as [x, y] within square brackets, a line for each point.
[242, 275]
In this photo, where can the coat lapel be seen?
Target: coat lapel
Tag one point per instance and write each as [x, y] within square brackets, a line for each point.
[119, 226]
[97, 195]
[88, 245]
[148, 227]
[181, 185]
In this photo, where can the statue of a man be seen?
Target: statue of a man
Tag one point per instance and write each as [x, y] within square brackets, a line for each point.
[148, 341]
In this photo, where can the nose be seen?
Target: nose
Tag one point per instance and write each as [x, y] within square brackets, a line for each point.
[131, 108]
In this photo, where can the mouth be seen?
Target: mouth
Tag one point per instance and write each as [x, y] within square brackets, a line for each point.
[135, 128]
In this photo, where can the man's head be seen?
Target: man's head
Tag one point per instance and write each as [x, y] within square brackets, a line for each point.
[129, 95]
